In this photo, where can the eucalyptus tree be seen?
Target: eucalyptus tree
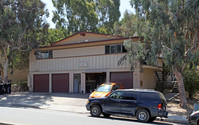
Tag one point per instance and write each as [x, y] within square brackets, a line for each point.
[56, 35]
[22, 27]
[75, 15]
[170, 29]
[86, 15]
[108, 13]
[127, 26]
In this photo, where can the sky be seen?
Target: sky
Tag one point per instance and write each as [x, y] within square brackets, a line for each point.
[124, 5]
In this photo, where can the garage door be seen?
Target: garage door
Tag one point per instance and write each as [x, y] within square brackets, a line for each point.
[60, 82]
[41, 83]
[126, 78]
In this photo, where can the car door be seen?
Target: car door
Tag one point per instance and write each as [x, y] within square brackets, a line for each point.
[129, 102]
[112, 104]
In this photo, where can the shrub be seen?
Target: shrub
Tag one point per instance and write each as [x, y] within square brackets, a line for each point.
[20, 86]
[191, 81]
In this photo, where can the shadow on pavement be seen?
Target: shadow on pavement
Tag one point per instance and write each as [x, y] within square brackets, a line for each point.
[27, 100]
[5, 124]
[71, 95]
[37, 100]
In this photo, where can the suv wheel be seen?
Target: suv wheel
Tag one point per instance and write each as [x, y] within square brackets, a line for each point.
[142, 115]
[106, 115]
[95, 111]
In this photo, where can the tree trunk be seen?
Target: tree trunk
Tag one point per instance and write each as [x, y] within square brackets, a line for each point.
[5, 70]
[182, 94]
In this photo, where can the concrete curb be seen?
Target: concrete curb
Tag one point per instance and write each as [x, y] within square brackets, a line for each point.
[173, 120]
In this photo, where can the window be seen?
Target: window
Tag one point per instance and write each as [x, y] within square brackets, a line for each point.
[130, 96]
[162, 98]
[44, 54]
[107, 50]
[104, 88]
[146, 96]
[118, 48]
[113, 49]
[116, 95]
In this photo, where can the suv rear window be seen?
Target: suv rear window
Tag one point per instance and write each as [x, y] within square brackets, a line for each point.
[146, 96]
[130, 96]
[162, 98]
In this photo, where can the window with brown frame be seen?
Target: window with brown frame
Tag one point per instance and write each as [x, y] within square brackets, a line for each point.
[116, 48]
[44, 54]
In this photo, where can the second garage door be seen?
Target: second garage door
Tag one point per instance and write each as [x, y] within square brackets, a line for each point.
[60, 82]
[126, 78]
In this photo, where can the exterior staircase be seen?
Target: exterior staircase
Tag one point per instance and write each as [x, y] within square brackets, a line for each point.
[160, 83]
[175, 88]
[160, 86]
[159, 76]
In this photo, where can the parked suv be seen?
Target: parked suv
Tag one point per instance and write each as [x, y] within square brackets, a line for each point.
[146, 105]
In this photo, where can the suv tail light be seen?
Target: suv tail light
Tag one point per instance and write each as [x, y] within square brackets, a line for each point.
[159, 106]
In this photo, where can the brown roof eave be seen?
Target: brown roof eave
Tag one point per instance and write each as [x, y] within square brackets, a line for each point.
[82, 33]
[90, 42]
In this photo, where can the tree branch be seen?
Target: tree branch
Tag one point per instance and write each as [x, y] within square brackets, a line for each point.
[195, 42]
[22, 35]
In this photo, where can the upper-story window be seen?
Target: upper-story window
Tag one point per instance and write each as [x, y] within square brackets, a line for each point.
[116, 48]
[44, 54]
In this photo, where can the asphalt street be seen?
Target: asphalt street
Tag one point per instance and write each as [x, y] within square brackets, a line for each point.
[28, 116]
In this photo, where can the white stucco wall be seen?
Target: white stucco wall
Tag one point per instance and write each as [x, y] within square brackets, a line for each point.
[148, 78]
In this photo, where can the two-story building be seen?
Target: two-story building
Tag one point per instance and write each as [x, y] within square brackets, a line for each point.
[81, 62]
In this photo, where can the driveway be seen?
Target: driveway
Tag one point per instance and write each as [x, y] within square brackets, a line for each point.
[59, 101]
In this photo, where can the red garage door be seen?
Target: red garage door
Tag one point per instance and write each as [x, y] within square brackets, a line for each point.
[60, 82]
[41, 83]
[126, 78]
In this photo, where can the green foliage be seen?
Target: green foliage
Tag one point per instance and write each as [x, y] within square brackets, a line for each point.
[171, 29]
[20, 86]
[23, 83]
[191, 81]
[22, 28]
[127, 26]
[108, 13]
[22, 23]
[19, 60]
[86, 15]
[76, 15]
[56, 35]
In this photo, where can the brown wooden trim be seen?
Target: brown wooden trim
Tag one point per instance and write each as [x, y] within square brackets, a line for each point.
[83, 56]
[86, 44]
[81, 46]
[91, 42]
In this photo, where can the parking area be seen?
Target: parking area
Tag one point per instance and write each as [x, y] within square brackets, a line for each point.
[55, 101]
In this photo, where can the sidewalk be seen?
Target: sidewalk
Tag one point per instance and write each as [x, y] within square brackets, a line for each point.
[68, 103]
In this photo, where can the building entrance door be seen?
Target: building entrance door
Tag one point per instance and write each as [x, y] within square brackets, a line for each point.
[77, 83]
[93, 80]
